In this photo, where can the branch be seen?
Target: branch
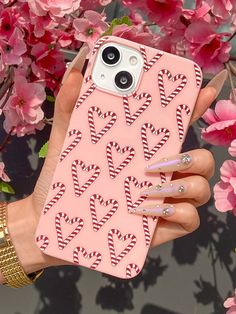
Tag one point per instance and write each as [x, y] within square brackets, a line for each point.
[7, 83]
[6, 140]
[232, 36]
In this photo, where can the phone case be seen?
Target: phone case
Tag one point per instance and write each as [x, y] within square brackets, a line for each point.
[100, 171]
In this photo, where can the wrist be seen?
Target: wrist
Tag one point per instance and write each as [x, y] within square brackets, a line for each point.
[21, 225]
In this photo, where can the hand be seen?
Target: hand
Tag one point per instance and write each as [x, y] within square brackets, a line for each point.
[171, 227]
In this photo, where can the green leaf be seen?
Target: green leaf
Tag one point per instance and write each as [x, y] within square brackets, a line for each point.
[43, 151]
[6, 188]
[117, 21]
[50, 98]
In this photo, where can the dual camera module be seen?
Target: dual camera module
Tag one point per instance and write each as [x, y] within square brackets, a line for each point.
[111, 56]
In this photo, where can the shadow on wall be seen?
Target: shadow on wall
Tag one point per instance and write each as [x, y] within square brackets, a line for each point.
[153, 309]
[58, 291]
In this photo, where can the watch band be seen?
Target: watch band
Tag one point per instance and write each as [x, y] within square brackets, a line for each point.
[10, 266]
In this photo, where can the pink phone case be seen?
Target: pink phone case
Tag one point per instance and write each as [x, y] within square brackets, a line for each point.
[100, 172]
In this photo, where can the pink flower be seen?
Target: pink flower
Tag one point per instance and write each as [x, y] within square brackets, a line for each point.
[89, 28]
[225, 190]
[57, 8]
[164, 12]
[42, 23]
[206, 47]
[133, 33]
[3, 175]
[222, 123]
[23, 128]
[48, 60]
[24, 106]
[222, 9]
[230, 304]
[14, 48]
[7, 23]
[93, 4]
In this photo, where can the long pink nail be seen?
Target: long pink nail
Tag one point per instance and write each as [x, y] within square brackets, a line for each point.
[154, 210]
[177, 162]
[167, 189]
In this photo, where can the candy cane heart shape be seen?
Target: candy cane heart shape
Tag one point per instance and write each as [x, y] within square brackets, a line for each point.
[165, 100]
[148, 154]
[110, 155]
[148, 64]
[137, 98]
[73, 144]
[95, 137]
[56, 198]
[179, 118]
[88, 256]
[79, 190]
[63, 242]
[129, 199]
[97, 224]
[115, 259]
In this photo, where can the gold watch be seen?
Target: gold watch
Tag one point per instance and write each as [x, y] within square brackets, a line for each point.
[10, 266]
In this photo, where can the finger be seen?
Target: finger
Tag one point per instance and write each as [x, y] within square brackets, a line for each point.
[182, 213]
[208, 94]
[65, 103]
[184, 221]
[77, 63]
[195, 188]
[197, 161]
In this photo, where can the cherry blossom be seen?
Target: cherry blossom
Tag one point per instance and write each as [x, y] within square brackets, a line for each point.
[3, 174]
[164, 12]
[225, 190]
[89, 28]
[14, 48]
[222, 9]
[55, 8]
[24, 106]
[93, 4]
[206, 47]
[134, 33]
[222, 123]
[230, 304]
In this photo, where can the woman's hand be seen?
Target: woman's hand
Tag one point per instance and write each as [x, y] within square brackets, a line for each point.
[188, 189]
[183, 221]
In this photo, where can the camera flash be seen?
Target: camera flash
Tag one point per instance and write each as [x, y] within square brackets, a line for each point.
[102, 76]
[133, 60]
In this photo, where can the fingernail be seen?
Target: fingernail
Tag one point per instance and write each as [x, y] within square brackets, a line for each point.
[154, 210]
[77, 63]
[167, 189]
[218, 81]
[177, 162]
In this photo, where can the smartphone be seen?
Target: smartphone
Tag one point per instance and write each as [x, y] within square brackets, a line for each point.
[134, 108]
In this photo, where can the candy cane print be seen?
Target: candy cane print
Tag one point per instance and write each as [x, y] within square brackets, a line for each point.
[148, 64]
[57, 197]
[98, 44]
[131, 267]
[179, 118]
[88, 256]
[62, 243]
[45, 241]
[85, 95]
[114, 258]
[73, 144]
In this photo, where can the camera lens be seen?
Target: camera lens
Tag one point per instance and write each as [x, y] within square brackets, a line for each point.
[123, 80]
[111, 55]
